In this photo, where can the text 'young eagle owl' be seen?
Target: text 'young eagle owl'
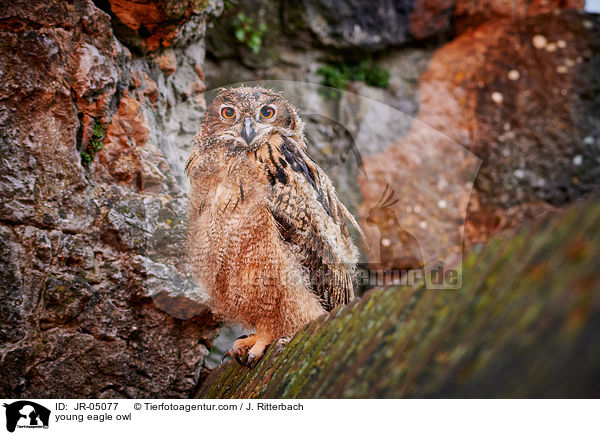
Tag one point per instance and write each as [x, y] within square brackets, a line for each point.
[267, 236]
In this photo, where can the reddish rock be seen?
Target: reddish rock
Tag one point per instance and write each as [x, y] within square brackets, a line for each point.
[126, 134]
[430, 17]
[197, 90]
[430, 175]
[469, 13]
[527, 106]
[84, 252]
[150, 90]
[95, 79]
[381, 24]
[157, 22]
[200, 72]
[87, 130]
[167, 62]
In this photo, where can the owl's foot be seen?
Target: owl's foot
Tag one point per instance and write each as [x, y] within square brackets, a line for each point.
[256, 352]
[240, 349]
[281, 343]
[234, 352]
[247, 351]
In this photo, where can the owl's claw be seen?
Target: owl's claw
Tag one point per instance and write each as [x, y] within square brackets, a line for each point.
[240, 349]
[239, 357]
[227, 354]
[241, 361]
[252, 360]
[280, 344]
[248, 351]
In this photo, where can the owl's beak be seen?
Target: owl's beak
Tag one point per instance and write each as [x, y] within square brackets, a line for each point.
[248, 131]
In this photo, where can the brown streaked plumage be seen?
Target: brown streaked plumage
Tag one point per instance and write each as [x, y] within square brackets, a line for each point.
[266, 232]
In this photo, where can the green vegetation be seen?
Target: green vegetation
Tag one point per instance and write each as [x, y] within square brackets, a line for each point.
[229, 4]
[338, 75]
[95, 145]
[248, 32]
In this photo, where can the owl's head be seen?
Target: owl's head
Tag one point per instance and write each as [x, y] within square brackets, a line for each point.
[244, 118]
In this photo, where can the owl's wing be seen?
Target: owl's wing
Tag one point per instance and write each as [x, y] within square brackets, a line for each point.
[310, 216]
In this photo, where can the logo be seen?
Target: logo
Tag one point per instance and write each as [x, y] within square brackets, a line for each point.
[26, 414]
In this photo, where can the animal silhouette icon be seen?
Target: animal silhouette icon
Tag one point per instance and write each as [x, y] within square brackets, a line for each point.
[398, 249]
[25, 413]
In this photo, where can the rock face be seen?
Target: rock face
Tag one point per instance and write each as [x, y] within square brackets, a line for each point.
[99, 101]
[353, 24]
[515, 91]
[522, 95]
[157, 23]
[96, 299]
[380, 24]
[525, 324]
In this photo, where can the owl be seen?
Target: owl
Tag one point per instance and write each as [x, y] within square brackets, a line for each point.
[267, 236]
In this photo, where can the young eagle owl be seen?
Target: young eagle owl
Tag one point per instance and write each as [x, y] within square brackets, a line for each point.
[266, 232]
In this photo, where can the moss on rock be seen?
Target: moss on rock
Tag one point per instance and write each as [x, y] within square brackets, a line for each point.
[526, 323]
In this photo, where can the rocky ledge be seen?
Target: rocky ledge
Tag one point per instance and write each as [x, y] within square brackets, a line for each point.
[526, 323]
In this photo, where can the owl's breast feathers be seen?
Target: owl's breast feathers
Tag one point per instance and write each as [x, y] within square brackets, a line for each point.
[310, 216]
[298, 195]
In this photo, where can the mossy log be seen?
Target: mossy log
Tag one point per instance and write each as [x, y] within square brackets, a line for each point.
[526, 323]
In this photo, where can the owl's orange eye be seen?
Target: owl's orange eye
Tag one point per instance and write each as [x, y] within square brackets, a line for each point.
[267, 112]
[227, 112]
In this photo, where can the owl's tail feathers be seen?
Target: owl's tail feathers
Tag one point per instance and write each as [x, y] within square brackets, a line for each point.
[354, 223]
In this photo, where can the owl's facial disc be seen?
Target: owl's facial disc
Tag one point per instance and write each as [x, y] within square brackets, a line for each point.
[248, 131]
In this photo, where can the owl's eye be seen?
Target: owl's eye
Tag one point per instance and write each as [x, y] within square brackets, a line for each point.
[267, 112]
[227, 112]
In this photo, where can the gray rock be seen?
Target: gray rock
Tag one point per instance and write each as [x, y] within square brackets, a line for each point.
[373, 25]
[97, 300]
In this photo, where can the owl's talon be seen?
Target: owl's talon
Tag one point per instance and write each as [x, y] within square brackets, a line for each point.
[227, 354]
[240, 349]
[239, 357]
[252, 360]
[281, 343]
[240, 361]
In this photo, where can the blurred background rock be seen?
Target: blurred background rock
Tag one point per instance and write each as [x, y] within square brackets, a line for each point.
[99, 101]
